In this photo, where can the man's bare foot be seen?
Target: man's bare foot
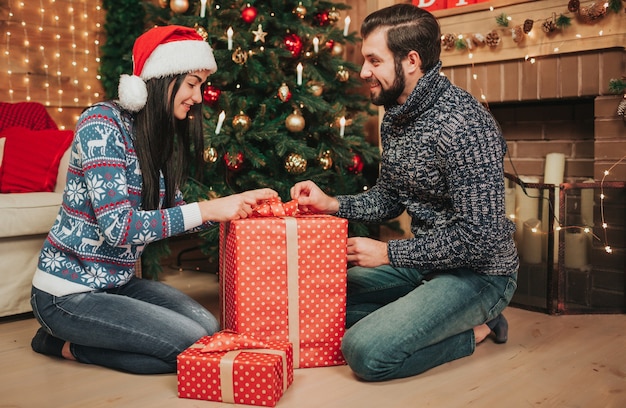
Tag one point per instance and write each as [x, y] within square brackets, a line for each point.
[481, 332]
[66, 353]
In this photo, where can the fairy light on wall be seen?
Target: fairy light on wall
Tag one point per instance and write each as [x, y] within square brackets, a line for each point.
[42, 50]
[7, 54]
[51, 52]
[467, 42]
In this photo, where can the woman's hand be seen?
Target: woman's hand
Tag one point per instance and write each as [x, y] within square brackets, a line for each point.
[235, 206]
[312, 199]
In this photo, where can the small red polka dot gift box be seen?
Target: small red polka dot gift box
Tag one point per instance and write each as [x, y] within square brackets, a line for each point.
[234, 368]
[284, 278]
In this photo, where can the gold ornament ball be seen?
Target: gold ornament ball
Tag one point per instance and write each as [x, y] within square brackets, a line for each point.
[325, 160]
[295, 164]
[295, 122]
[163, 3]
[316, 88]
[337, 49]
[179, 6]
[333, 15]
[300, 10]
[241, 122]
[210, 155]
[342, 74]
[239, 56]
[202, 31]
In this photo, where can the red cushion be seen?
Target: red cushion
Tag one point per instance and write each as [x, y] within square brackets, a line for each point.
[32, 115]
[31, 159]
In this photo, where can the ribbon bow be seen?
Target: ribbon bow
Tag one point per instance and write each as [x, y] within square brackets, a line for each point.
[234, 344]
[228, 340]
[276, 208]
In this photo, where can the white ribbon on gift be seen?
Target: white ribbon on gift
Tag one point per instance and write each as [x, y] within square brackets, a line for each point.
[293, 291]
[227, 368]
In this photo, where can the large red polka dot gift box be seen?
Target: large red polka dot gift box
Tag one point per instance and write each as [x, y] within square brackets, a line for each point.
[235, 368]
[283, 278]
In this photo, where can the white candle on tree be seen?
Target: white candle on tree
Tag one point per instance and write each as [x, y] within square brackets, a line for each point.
[299, 72]
[220, 122]
[229, 35]
[342, 126]
[346, 27]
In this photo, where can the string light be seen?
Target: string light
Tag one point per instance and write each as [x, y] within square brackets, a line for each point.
[53, 63]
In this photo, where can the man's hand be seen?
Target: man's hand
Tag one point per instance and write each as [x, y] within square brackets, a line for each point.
[367, 252]
[312, 199]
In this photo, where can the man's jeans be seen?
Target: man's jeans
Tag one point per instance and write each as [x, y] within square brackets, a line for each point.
[140, 327]
[402, 322]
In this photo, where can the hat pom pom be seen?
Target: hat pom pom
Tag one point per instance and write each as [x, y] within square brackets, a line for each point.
[133, 93]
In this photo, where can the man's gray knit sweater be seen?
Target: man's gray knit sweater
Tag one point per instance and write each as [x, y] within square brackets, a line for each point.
[442, 162]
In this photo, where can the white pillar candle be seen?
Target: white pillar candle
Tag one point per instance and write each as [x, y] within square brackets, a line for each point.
[346, 27]
[586, 204]
[229, 35]
[576, 248]
[220, 122]
[202, 8]
[299, 72]
[532, 241]
[526, 206]
[553, 174]
[316, 45]
[342, 126]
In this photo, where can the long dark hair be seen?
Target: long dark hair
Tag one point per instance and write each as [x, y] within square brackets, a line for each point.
[409, 28]
[166, 144]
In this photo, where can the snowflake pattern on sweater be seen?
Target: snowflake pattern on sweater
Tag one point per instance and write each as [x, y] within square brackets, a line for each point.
[100, 231]
[442, 162]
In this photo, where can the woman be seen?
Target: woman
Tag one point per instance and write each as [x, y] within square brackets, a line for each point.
[129, 158]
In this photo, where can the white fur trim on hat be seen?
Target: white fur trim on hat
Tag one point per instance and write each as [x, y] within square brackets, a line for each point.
[179, 57]
[133, 93]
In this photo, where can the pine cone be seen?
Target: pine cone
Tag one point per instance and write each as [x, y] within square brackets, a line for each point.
[517, 34]
[479, 39]
[448, 41]
[592, 13]
[621, 108]
[573, 5]
[548, 26]
[492, 39]
[528, 25]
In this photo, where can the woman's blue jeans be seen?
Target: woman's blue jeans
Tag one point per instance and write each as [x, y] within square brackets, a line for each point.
[402, 322]
[139, 327]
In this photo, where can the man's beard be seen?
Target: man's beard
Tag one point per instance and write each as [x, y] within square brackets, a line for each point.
[388, 97]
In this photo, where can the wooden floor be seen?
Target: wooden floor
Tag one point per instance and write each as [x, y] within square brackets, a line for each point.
[549, 361]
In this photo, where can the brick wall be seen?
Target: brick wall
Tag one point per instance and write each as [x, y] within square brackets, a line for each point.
[561, 105]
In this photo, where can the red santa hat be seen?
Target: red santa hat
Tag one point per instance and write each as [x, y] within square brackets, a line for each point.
[159, 52]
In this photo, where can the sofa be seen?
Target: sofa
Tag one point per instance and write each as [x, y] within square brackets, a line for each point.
[34, 156]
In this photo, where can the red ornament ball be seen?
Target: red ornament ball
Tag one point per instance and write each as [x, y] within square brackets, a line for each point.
[322, 18]
[356, 164]
[330, 44]
[248, 14]
[234, 163]
[293, 43]
[211, 95]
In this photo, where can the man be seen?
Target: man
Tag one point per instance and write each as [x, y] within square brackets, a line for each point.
[416, 303]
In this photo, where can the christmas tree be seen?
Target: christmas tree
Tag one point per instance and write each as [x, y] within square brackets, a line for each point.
[284, 105]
